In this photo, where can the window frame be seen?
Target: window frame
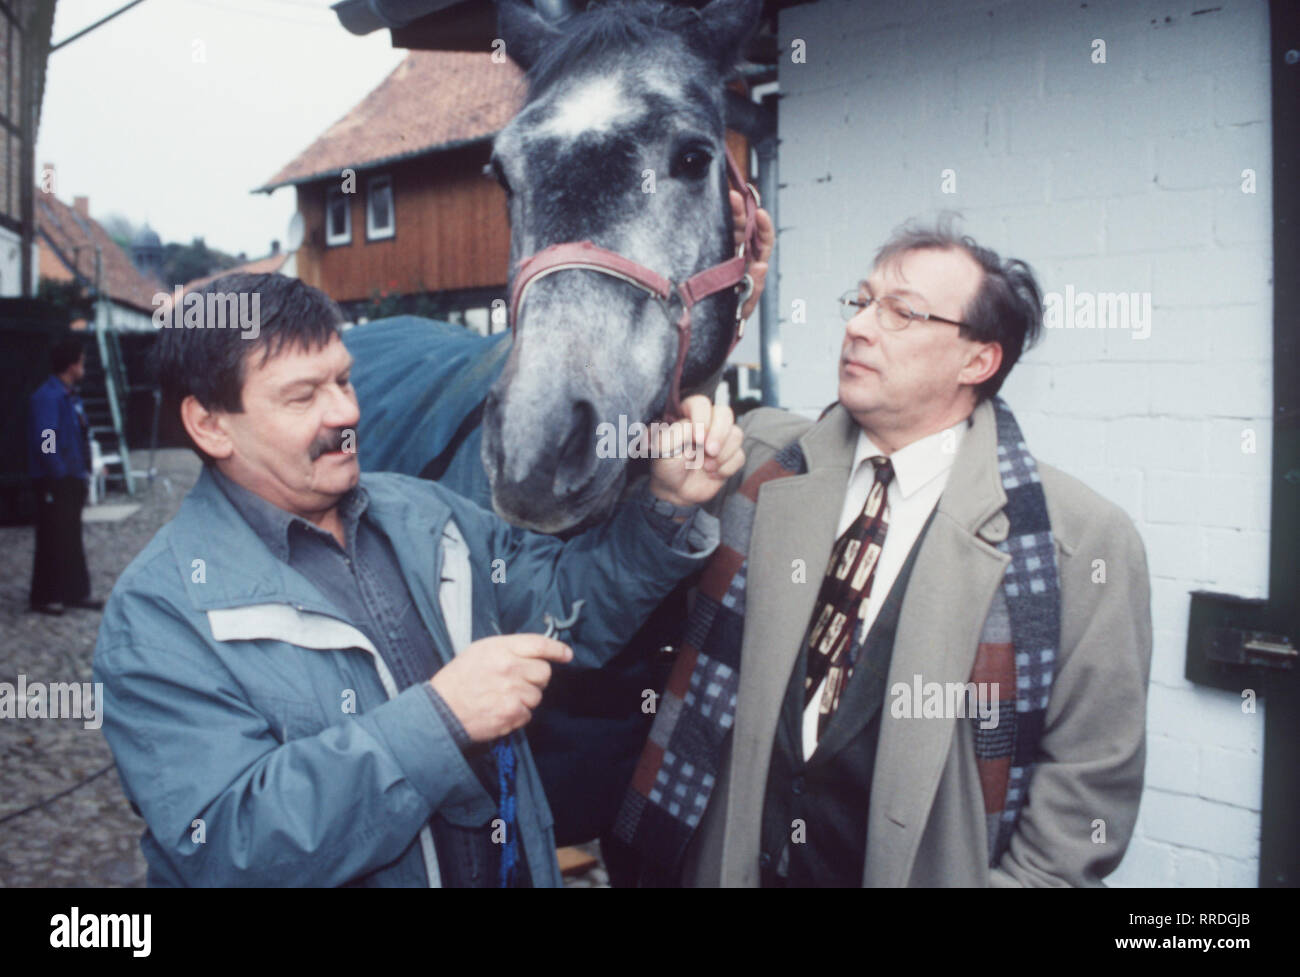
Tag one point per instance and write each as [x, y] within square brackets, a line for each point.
[333, 240]
[384, 179]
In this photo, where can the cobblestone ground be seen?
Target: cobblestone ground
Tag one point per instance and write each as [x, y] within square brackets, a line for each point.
[90, 836]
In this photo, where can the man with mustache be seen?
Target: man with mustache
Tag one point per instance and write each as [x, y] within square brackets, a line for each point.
[314, 677]
[938, 648]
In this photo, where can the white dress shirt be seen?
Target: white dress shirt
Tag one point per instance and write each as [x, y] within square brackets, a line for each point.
[920, 474]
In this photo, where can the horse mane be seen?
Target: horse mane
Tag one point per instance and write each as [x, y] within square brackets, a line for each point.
[618, 24]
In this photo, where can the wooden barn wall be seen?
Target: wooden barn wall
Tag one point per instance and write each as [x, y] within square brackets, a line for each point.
[452, 232]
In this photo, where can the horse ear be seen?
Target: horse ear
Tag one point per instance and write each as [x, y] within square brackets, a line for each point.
[727, 25]
[525, 31]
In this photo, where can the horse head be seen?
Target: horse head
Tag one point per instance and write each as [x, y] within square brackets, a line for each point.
[620, 143]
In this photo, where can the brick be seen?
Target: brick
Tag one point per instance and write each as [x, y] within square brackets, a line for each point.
[1242, 95]
[1240, 332]
[1150, 221]
[1171, 765]
[1100, 273]
[1239, 388]
[1069, 66]
[1160, 334]
[1169, 653]
[1227, 444]
[1234, 501]
[967, 36]
[1085, 390]
[1245, 218]
[995, 182]
[1147, 864]
[1066, 442]
[1237, 561]
[1121, 486]
[1205, 717]
[1212, 277]
[1238, 873]
[1231, 776]
[1170, 605]
[1181, 44]
[1195, 823]
[1157, 443]
[1028, 386]
[1196, 870]
[1176, 388]
[1210, 158]
[1173, 497]
[1097, 172]
[1062, 230]
[1172, 551]
[983, 84]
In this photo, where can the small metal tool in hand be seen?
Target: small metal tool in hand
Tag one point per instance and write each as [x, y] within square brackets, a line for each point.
[554, 627]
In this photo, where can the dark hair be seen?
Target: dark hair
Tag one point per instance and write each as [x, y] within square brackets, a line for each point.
[65, 352]
[609, 27]
[209, 363]
[1007, 309]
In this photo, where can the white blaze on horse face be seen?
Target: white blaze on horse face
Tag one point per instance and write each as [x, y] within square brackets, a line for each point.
[597, 104]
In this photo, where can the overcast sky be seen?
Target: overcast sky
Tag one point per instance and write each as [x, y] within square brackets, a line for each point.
[175, 110]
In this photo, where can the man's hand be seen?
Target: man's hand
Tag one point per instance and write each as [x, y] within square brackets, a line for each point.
[766, 239]
[494, 685]
[697, 455]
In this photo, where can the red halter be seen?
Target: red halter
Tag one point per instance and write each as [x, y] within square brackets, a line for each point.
[734, 272]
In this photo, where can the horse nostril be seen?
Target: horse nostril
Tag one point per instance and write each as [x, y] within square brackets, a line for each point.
[577, 454]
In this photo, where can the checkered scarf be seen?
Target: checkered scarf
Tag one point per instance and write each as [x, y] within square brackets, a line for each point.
[679, 764]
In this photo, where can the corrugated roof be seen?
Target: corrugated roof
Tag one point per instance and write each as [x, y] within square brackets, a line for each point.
[433, 100]
[68, 241]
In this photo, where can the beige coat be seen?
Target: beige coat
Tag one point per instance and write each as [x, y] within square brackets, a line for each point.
[926, 824]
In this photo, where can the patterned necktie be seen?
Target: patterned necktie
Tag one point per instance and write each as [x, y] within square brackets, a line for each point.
[842, 601]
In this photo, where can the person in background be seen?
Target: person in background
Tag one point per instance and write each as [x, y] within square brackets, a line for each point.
[59, 463]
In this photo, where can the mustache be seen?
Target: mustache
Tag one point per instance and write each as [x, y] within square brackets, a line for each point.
[331, 440]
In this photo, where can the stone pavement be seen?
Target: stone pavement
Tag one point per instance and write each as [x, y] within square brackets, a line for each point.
[90, 836]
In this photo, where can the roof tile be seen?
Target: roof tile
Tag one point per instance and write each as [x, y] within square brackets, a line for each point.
[432, 100]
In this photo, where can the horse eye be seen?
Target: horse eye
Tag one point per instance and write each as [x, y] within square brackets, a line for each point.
[693, 164]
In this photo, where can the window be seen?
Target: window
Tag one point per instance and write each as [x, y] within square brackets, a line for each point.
[338, 217]
[379, 209]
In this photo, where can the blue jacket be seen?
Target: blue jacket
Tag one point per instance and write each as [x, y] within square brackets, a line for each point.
[55, 408]
[258, 731]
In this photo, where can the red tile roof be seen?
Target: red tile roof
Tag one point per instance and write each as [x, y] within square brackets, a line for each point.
[433, 100]
[261, 266]
[67, 242]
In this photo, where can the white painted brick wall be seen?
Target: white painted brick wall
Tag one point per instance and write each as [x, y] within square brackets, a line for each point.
[1123, 176]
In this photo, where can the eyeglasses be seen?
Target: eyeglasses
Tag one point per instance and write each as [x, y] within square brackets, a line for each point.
[892, 312]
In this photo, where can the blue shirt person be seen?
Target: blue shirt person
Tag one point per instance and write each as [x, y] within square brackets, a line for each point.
[59, 464]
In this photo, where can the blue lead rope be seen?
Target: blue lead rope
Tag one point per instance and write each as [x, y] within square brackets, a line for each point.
[504, 756]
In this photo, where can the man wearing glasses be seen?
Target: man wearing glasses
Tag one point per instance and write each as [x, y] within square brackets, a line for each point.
[920, 657]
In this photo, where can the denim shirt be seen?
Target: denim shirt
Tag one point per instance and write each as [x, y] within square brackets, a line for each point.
[363, 580]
